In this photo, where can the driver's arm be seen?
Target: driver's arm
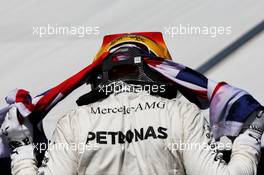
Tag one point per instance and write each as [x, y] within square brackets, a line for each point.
[61, 159]
[206, 161]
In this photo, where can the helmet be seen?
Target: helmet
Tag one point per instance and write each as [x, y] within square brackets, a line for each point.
[153, 42]
[124, 57]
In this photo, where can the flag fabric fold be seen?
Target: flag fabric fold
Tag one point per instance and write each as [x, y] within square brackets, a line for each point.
[229, 107]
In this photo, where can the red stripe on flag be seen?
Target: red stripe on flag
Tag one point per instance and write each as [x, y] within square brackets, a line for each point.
[24, 97]
[66, 87]
[218, 86]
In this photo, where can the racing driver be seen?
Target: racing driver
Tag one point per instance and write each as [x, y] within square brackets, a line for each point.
[133, 130]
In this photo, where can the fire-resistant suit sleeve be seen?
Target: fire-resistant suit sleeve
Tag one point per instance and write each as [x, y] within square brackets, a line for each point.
[201, 158]
[60, 157]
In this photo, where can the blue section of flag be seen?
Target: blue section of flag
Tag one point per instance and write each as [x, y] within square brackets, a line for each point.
[242, 108]
[193, 77]
[175, 65]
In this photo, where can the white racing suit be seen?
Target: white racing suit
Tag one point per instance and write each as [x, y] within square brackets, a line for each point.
[136, 133]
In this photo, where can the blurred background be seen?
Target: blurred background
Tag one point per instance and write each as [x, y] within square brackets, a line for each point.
[33, 58]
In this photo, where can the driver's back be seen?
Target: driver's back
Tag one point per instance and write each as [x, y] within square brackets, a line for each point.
[127, 133]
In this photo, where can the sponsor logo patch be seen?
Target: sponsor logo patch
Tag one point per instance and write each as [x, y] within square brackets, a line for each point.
[119, 137]
[128, 110]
